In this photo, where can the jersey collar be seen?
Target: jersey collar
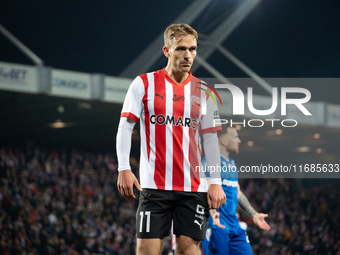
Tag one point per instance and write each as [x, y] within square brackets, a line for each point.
[187, 80]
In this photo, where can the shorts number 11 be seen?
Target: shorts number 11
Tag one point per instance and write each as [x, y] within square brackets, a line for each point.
[147, 214]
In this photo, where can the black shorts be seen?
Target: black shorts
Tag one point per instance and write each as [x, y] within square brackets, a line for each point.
[158, 208]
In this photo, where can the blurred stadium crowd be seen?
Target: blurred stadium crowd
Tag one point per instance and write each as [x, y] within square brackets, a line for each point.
[67, 203]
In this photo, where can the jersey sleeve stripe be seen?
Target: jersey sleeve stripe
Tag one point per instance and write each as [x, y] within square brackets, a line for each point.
[212, 129]
[129, 114]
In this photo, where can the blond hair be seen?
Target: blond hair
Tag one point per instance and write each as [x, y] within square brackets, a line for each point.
[177, 31]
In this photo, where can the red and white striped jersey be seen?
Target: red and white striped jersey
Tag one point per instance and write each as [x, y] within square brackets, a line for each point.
[171, 121]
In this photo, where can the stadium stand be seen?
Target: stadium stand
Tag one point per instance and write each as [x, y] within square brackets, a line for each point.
[66, 202]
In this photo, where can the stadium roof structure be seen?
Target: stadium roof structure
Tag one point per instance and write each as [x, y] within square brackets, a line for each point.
[48, 116]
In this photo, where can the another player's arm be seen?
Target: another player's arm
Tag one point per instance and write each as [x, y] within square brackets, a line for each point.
[243, 202]
[258, 218]
[216, 217]
[126, 179]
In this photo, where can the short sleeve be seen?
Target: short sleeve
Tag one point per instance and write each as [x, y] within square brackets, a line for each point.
[208, 123]
[133, 102]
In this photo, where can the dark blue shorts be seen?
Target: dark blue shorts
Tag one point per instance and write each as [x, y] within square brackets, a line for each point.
[226, 242]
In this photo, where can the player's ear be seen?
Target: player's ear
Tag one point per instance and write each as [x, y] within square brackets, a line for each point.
[166, 51]
[223, 141]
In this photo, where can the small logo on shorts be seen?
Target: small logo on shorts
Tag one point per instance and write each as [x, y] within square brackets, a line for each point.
[200, 209]
[196, 221]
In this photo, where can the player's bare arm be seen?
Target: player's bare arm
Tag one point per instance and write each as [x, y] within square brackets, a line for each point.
[258, 218]
[216, 218]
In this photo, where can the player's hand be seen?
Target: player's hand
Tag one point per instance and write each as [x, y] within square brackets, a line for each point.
[126, 180]
[216, 196]
[258, 219]
[216, 218]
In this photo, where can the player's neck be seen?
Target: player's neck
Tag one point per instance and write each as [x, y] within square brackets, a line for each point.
[175, 75]
[224, 152]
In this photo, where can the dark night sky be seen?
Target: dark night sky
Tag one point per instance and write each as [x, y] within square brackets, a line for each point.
[282, 38]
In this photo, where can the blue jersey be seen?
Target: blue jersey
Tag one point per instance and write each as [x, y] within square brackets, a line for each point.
[232, 240]
[229, 177]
